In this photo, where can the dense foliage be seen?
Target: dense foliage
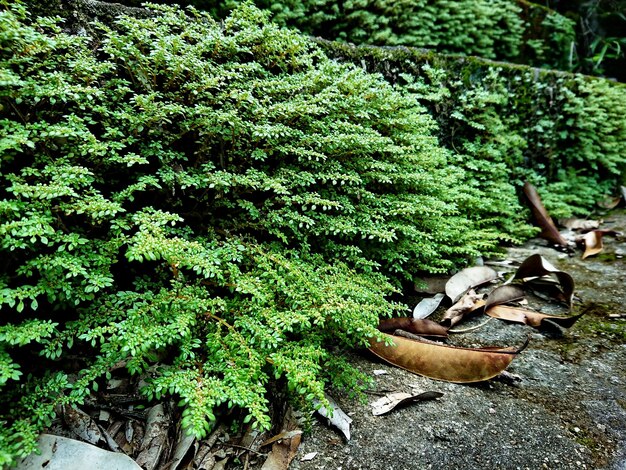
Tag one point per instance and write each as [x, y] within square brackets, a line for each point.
[517, 31]
[219, 206]
[221, 199]
[601, 34]
[563, 132]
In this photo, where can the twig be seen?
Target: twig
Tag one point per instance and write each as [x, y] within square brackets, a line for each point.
[473, 328]
[246, 448]
[414, 337]
[212, 439]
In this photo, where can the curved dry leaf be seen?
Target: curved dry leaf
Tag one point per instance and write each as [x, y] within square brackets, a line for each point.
[56, 452]
[413, 325]
[427, 306]
[470, 302]
[537, 266]
[548, 229]
[530, 317]
[504, 294]
[443, 362]
[282, 453]
[155, 439]
[284, 445]
[593, 241]
[279, 436]
[467, 279]
[82, 424]
[335, 416]
[392, 400]
[182, 449]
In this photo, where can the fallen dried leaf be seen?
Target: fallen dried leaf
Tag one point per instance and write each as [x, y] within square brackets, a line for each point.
[470, 302]
[443, 362]
[593, 241]
[530, 317]
[309, 456]
[427, 306]
[536, 266]
[205, 458]
[467, 279]
[110, 441]
[548, 229]
[82, 425]
[593, 244]
[413, 325]
[182, 449]
[155, 438]
[392, 400]
[282, 435]
[56, 452]
[504, 294]
[284, 448]
[335, 416]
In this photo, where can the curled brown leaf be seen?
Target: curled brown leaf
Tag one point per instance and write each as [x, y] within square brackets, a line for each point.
[535, 266]
[470, 302]
[543, 219]
[504, 294]
[413, 325]
[530, 317]
[467, 279]
[593, 241]
[443, 362]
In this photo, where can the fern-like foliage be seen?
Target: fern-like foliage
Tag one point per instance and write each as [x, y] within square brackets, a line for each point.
[509, 123]
[222, 200]
[516, 31]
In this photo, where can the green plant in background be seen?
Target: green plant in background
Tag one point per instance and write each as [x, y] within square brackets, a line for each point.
[215, 206]
[516, 31]
[600, 42]
[222, 206]
[509, 123]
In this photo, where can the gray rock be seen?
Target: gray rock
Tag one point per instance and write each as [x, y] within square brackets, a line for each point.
[61, 453]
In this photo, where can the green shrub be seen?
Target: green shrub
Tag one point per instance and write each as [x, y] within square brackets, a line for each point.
[510, 123]
[517, 31]
[215, 206]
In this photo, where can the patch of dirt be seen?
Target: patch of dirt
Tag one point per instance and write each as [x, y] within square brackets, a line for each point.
[567, 410]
